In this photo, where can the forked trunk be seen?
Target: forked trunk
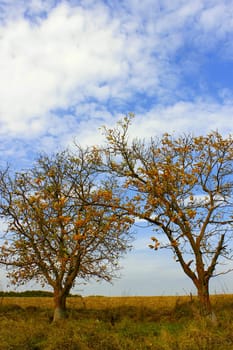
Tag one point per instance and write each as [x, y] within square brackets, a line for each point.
[59, 306]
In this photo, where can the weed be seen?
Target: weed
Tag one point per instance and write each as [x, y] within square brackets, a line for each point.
[146, 323]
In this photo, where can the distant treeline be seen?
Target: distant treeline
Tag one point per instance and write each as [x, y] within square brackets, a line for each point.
[30, 293]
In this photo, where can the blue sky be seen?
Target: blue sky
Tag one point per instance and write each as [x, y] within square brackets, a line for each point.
[68, 67]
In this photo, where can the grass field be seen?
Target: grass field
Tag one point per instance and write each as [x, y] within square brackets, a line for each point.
[115, 323]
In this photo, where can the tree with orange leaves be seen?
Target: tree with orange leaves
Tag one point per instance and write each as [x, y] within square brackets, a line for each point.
[59, 225]
[183, 187]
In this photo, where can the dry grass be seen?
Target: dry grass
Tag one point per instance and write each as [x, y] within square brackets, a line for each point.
[100, 302]
[115, 323]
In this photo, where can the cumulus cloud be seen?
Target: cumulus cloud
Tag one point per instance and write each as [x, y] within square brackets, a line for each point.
[55, 64]
[196, 117]
[31, 9]
[67, 67]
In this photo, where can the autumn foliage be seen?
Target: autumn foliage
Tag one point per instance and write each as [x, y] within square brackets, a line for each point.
[60, 226]
[183, 187]
[69, 216]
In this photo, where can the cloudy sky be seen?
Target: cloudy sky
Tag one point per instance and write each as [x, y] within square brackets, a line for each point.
[69, 67]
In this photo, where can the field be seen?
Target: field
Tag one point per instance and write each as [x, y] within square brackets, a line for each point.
[115, 323]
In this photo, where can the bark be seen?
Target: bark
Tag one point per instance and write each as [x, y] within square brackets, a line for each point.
[204, 300]
[59, 305]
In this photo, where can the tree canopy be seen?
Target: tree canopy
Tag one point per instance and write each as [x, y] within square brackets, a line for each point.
[59, 224]
[183, 187]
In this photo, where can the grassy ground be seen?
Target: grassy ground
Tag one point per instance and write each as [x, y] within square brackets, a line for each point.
[100, 323]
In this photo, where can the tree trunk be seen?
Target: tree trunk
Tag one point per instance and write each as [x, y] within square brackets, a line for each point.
[204, 300]
[59, 305]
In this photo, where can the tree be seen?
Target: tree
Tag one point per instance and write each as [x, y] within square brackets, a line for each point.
[60, 226]
[183, 187]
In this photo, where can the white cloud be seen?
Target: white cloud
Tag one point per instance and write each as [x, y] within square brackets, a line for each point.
[52, 65]
[197, 118]
[218, 18]
[82, 53]
[12, 10]
[153, 279]
[189, 117]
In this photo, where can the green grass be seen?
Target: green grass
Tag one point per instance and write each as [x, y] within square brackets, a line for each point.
[99, 323]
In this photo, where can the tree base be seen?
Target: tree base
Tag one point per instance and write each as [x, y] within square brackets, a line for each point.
[59, 314]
